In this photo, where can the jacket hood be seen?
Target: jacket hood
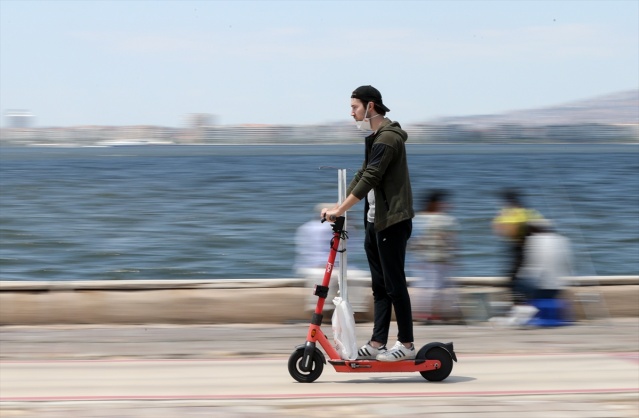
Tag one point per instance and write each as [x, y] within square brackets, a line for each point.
[389, 125]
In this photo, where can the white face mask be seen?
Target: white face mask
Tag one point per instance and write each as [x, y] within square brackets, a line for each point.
[365, 124]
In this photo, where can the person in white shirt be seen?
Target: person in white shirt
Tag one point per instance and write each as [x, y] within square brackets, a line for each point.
[547, 261]
[312, 245]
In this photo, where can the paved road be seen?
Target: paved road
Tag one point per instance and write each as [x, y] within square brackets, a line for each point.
[269, 379]
[587, 370]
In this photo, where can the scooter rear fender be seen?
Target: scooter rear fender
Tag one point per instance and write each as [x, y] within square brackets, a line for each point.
[446, 346]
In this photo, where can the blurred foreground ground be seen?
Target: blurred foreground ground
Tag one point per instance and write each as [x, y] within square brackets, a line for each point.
[238, 341]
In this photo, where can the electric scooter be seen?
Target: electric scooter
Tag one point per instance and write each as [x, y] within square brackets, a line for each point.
[434, 361]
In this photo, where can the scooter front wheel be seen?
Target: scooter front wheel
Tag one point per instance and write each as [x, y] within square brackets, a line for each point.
[445, 359]
[317, 366]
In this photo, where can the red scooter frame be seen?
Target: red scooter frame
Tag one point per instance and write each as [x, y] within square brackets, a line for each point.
[434, 361]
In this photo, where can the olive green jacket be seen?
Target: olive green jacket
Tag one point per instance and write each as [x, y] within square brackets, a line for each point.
[385, 169]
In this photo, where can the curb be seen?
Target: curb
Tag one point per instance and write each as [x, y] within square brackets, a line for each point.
[257, 300]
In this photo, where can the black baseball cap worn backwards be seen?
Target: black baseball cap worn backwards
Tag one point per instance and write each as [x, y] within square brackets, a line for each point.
[369, 94]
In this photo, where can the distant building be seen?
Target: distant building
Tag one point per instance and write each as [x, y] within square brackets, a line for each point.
[200, 120]
[19, 119]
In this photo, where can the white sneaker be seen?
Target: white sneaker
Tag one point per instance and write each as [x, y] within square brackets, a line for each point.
[522, 314]
[397, 353]
[368, 352]
[518, 316]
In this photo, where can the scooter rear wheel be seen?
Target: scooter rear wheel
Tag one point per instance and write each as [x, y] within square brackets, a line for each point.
[444, 357]
[317, 366]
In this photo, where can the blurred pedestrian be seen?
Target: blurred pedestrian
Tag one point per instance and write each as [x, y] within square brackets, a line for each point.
[546, 263]
[384, 183]
[434, 248]
[312, 246]
[512, 225]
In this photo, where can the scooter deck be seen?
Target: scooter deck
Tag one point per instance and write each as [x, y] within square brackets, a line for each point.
[374, 366]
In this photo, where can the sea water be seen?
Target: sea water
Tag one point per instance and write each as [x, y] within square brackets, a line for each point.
[217, 212]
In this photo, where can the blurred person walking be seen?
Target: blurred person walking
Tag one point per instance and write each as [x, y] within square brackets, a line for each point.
[546, 264]
[312, 245]
[384, 183]
[434, 248]
[547, 261]
[512, 225]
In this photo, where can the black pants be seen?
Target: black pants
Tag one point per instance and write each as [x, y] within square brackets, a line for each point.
[516, 261]
[386, 253]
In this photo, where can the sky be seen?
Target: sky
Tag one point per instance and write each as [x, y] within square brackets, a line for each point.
[296, 62]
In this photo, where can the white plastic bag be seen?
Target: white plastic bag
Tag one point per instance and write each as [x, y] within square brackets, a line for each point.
[344, 329]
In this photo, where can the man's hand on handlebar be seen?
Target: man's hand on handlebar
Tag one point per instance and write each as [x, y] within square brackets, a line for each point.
[329, 214]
